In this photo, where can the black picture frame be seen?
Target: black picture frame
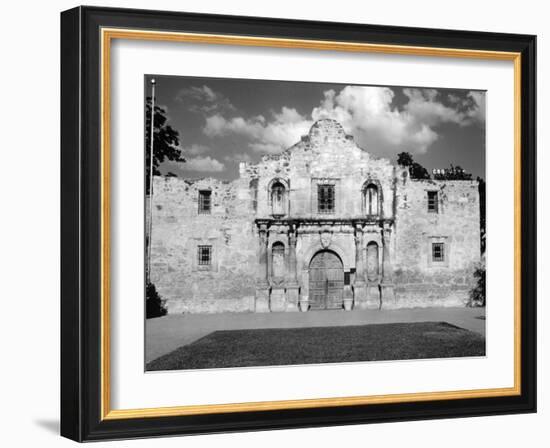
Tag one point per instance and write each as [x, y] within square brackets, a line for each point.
[81, 224]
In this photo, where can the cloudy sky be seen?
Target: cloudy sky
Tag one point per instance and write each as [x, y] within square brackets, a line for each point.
[224, 121]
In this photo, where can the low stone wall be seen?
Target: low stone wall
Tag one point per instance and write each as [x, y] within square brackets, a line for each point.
[414, 288]
[426, 296]
[211, 305]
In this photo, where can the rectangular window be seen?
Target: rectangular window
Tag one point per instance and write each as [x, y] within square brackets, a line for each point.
[346, 278]
[432, 202]
[438, 251]
[205, 201]
[325, 198]
[205, 255]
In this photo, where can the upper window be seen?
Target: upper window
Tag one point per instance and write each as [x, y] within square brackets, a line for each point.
[370, 198]
[325, 198]
[438, 252]
[433, 202]
[205, 203]
[278, 193]
[204, 255]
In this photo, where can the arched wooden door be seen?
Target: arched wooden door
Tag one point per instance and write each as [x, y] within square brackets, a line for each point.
[326, 281]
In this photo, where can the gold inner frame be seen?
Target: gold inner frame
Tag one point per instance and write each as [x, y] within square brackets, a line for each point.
[107, 35]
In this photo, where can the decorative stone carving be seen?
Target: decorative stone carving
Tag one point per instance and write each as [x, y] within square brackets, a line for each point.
[325, 238]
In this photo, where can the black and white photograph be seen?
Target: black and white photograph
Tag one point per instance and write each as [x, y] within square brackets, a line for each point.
[275, 224]
[292, 223]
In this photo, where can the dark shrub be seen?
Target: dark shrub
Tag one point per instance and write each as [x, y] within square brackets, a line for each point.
[154, 303]
[477, 294]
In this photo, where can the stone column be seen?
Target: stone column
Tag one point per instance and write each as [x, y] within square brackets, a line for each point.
[387, 286]
[262, 287]
[263, 267]
[359, 262]
[292, 257]
[293, 288]
[359, 285]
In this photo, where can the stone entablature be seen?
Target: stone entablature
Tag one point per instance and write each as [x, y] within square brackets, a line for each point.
[324, 220]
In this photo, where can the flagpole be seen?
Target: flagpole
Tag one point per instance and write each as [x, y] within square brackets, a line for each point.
[151, 154]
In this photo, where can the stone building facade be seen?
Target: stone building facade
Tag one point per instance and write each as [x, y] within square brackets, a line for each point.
[323, 225]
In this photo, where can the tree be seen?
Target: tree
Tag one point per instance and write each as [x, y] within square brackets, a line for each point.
[154, 303]
[416, 170]
[404, 159]
[477, 293]
[481, 189]
[166, 141]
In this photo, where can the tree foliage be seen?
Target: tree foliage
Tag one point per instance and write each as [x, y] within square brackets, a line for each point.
[166, 140]
[404, 159]
[482, 210]
[477, 294]
[154, 303]
[416, 170]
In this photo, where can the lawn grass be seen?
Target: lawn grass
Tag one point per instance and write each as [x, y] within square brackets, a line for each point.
[315, 345]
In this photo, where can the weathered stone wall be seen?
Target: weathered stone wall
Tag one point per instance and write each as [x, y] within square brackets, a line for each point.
[326, 154]
[418, 280]
[243, 230]
[178, 228]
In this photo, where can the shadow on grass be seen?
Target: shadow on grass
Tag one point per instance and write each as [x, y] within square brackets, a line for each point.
[316, 345]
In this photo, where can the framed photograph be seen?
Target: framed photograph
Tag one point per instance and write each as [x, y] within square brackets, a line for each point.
[278, 224]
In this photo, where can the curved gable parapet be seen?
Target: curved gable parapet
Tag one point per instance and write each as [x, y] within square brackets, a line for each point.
[326, 136]
[327, 131]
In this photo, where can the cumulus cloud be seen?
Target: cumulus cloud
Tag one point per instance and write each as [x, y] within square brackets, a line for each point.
[475, 106]
[195, 149]
[369, 113]
[239, 157]
[453, 99]
[266, 136]
[203, 164]
[204, 99]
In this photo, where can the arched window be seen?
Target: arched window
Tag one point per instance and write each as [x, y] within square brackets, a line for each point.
[371, 202]
[278, 199]
[278, 261]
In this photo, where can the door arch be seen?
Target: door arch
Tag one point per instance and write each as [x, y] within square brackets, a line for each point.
[326, 281]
